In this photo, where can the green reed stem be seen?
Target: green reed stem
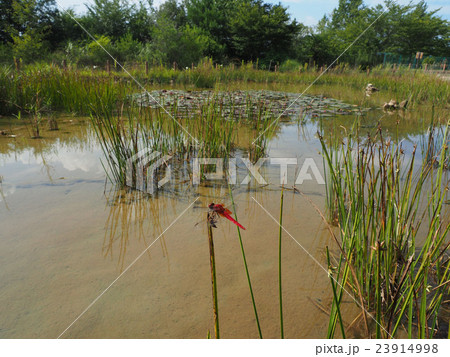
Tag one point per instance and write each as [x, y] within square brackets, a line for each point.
[381, 207]
[280, 290]
[246, 267]
[337, 303]
[378, 292]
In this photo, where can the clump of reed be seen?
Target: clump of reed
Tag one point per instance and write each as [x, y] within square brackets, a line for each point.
[124, 133]
[393, 254]
[73, 89]
[201, 132]
[431, 144]
[67, 90]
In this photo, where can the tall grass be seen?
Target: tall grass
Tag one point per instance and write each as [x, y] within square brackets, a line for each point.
[393, 248]
[126, 131]
[63, 90]
[73, 90]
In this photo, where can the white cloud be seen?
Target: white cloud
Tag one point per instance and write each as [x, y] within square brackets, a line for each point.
[84, 161]
[309, 21]
[70, 160]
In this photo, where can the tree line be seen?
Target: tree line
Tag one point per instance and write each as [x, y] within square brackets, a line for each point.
[226, 30]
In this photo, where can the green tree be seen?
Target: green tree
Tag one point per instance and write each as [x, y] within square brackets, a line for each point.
[418, 29]
[172, 43]
[212, 17]
[108, 17]
[18, 16]
[262, 31]
[347, 12]
[174, 12]
[142, 21]
[30, 27]
[403, 29]
[6, 21]
[115, 18]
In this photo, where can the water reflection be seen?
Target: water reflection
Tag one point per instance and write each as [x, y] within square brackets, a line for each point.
[136, 215]
[4, 193]
[89, 236]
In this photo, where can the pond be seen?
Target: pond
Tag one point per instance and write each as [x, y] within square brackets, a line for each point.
[68, 238]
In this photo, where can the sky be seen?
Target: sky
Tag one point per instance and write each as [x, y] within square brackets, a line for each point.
[308, 12]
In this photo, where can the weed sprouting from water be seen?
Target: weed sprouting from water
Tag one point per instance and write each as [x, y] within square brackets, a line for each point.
[74, 90]
[124, 133]
[280, 286]
[255, 310]
[393, 229]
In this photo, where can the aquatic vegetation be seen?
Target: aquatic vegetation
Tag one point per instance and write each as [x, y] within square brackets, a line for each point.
[201, 131]
[390, 214]
[74, 90]
[63, 90]
[393, 249]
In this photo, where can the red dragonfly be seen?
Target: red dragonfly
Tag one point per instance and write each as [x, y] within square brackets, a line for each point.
[220, 210]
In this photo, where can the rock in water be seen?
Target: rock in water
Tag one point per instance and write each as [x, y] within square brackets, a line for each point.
[403, 104]
[393, 103]
[371, 88]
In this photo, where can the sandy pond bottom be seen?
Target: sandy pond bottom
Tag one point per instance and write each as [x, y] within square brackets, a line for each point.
[64, 238]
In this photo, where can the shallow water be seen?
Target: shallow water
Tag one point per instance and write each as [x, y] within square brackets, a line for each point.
[66, 235]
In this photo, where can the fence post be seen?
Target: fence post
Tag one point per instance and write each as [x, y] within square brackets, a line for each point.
[368, 70]
[108, 67]
[444, 67]
[426, 66]
[409, 66]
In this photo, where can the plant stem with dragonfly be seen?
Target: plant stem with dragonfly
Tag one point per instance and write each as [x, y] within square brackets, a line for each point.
[213, 277]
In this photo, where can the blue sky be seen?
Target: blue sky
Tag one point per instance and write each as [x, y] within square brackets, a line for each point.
[305, 11]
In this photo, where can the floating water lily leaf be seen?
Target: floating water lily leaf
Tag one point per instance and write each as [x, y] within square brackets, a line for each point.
[246, 104]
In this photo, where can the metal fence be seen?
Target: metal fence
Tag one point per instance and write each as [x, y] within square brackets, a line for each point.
[416, 61]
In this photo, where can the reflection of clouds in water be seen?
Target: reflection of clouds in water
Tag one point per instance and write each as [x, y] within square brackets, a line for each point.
[69, 160]
[6, 190]
[83, 161]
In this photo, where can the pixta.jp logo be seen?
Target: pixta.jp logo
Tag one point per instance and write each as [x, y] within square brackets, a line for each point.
[142, 170]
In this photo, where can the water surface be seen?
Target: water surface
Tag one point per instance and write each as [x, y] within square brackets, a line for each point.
[66, 235]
